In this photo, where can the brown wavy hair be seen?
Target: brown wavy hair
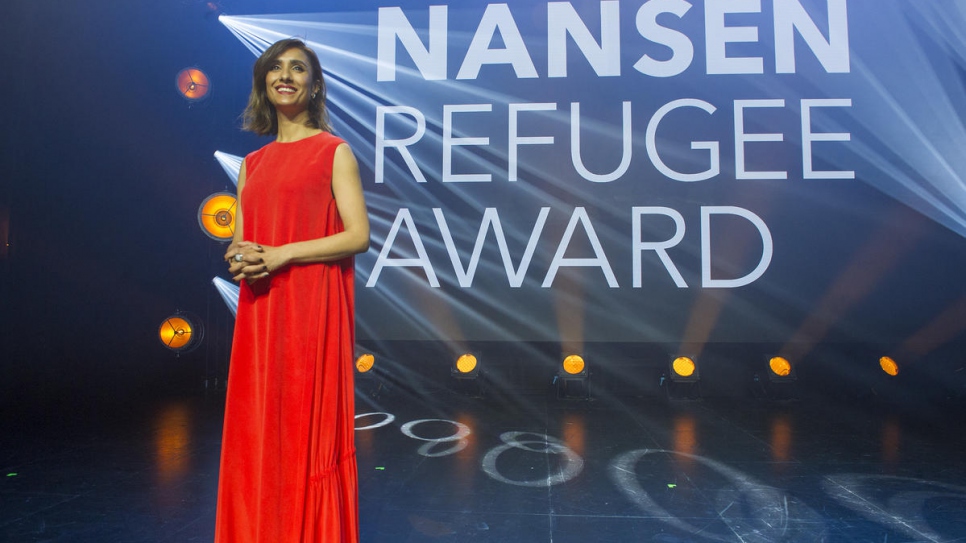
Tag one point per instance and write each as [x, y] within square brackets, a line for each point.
[259, 116]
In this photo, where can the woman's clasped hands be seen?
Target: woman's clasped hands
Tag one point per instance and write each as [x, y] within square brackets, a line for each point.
[250, 261]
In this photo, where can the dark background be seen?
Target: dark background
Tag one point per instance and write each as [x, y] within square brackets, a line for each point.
[103, 178]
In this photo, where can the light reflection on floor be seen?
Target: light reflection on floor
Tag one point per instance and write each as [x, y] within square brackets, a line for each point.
[449, 468]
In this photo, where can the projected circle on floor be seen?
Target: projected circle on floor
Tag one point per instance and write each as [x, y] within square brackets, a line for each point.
[389, 418]
[903, 504]
[571, 464]
[462, 431]
[733, 507]
[749, 511]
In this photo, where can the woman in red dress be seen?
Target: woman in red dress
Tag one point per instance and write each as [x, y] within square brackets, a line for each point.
[288, 466]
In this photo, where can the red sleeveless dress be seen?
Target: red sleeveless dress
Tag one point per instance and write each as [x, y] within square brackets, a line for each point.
[288, 465]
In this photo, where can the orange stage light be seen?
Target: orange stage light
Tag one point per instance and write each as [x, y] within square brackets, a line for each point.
[889, 365]
[180, 333]
[683, 367]
[467, 378]
[193, 84]
[573, 379]
[466, 364]
[573, 364]
[682, 379]
[781, 382]
[216, 216]
[780, 366]
[365, 363]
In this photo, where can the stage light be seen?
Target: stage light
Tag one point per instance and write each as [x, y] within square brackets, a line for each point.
[365, 363]
[573, 379]
[193, 84]
[368, 381]
[467, 376]
[779, 366]
[780, 384]
[780, 370]
[684, 369]
[889, 365]
[216, 216]
[682, 379]
[573, 365]
[180, 332]
[175, 333]
[466, 367]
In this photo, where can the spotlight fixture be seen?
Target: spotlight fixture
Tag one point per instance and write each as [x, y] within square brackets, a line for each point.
[367, 380]
[684, 370]
[216, 216]
[889, 366]
[780, 370]
[365, 363]
[181, 333]
[681, 382]
[886, 386]
[193, 84]
[466, 367]
[780, 384]
[573, 379]
[466, 373]
[574, 365]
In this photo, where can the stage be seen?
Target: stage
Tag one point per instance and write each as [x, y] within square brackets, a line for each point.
[436, 465]
[631, 182]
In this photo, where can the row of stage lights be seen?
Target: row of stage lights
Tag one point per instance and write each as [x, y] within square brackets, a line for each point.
[182, 332]
[680, 381]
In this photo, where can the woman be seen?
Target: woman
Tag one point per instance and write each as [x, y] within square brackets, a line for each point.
[288, 467]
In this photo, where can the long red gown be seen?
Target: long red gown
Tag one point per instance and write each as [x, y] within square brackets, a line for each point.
[288, 465]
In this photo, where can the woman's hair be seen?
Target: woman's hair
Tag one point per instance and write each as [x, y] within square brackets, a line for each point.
[259, 116]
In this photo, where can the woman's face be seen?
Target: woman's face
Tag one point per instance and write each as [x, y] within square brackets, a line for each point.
[288, 82]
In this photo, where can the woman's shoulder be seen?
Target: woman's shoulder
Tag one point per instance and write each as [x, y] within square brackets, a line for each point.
[329, 139]
[324, 144]
[254, 156]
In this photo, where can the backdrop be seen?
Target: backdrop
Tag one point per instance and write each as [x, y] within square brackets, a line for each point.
[771, 171]
[649, 171]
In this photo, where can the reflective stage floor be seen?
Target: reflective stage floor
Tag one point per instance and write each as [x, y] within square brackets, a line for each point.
[445, 467]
